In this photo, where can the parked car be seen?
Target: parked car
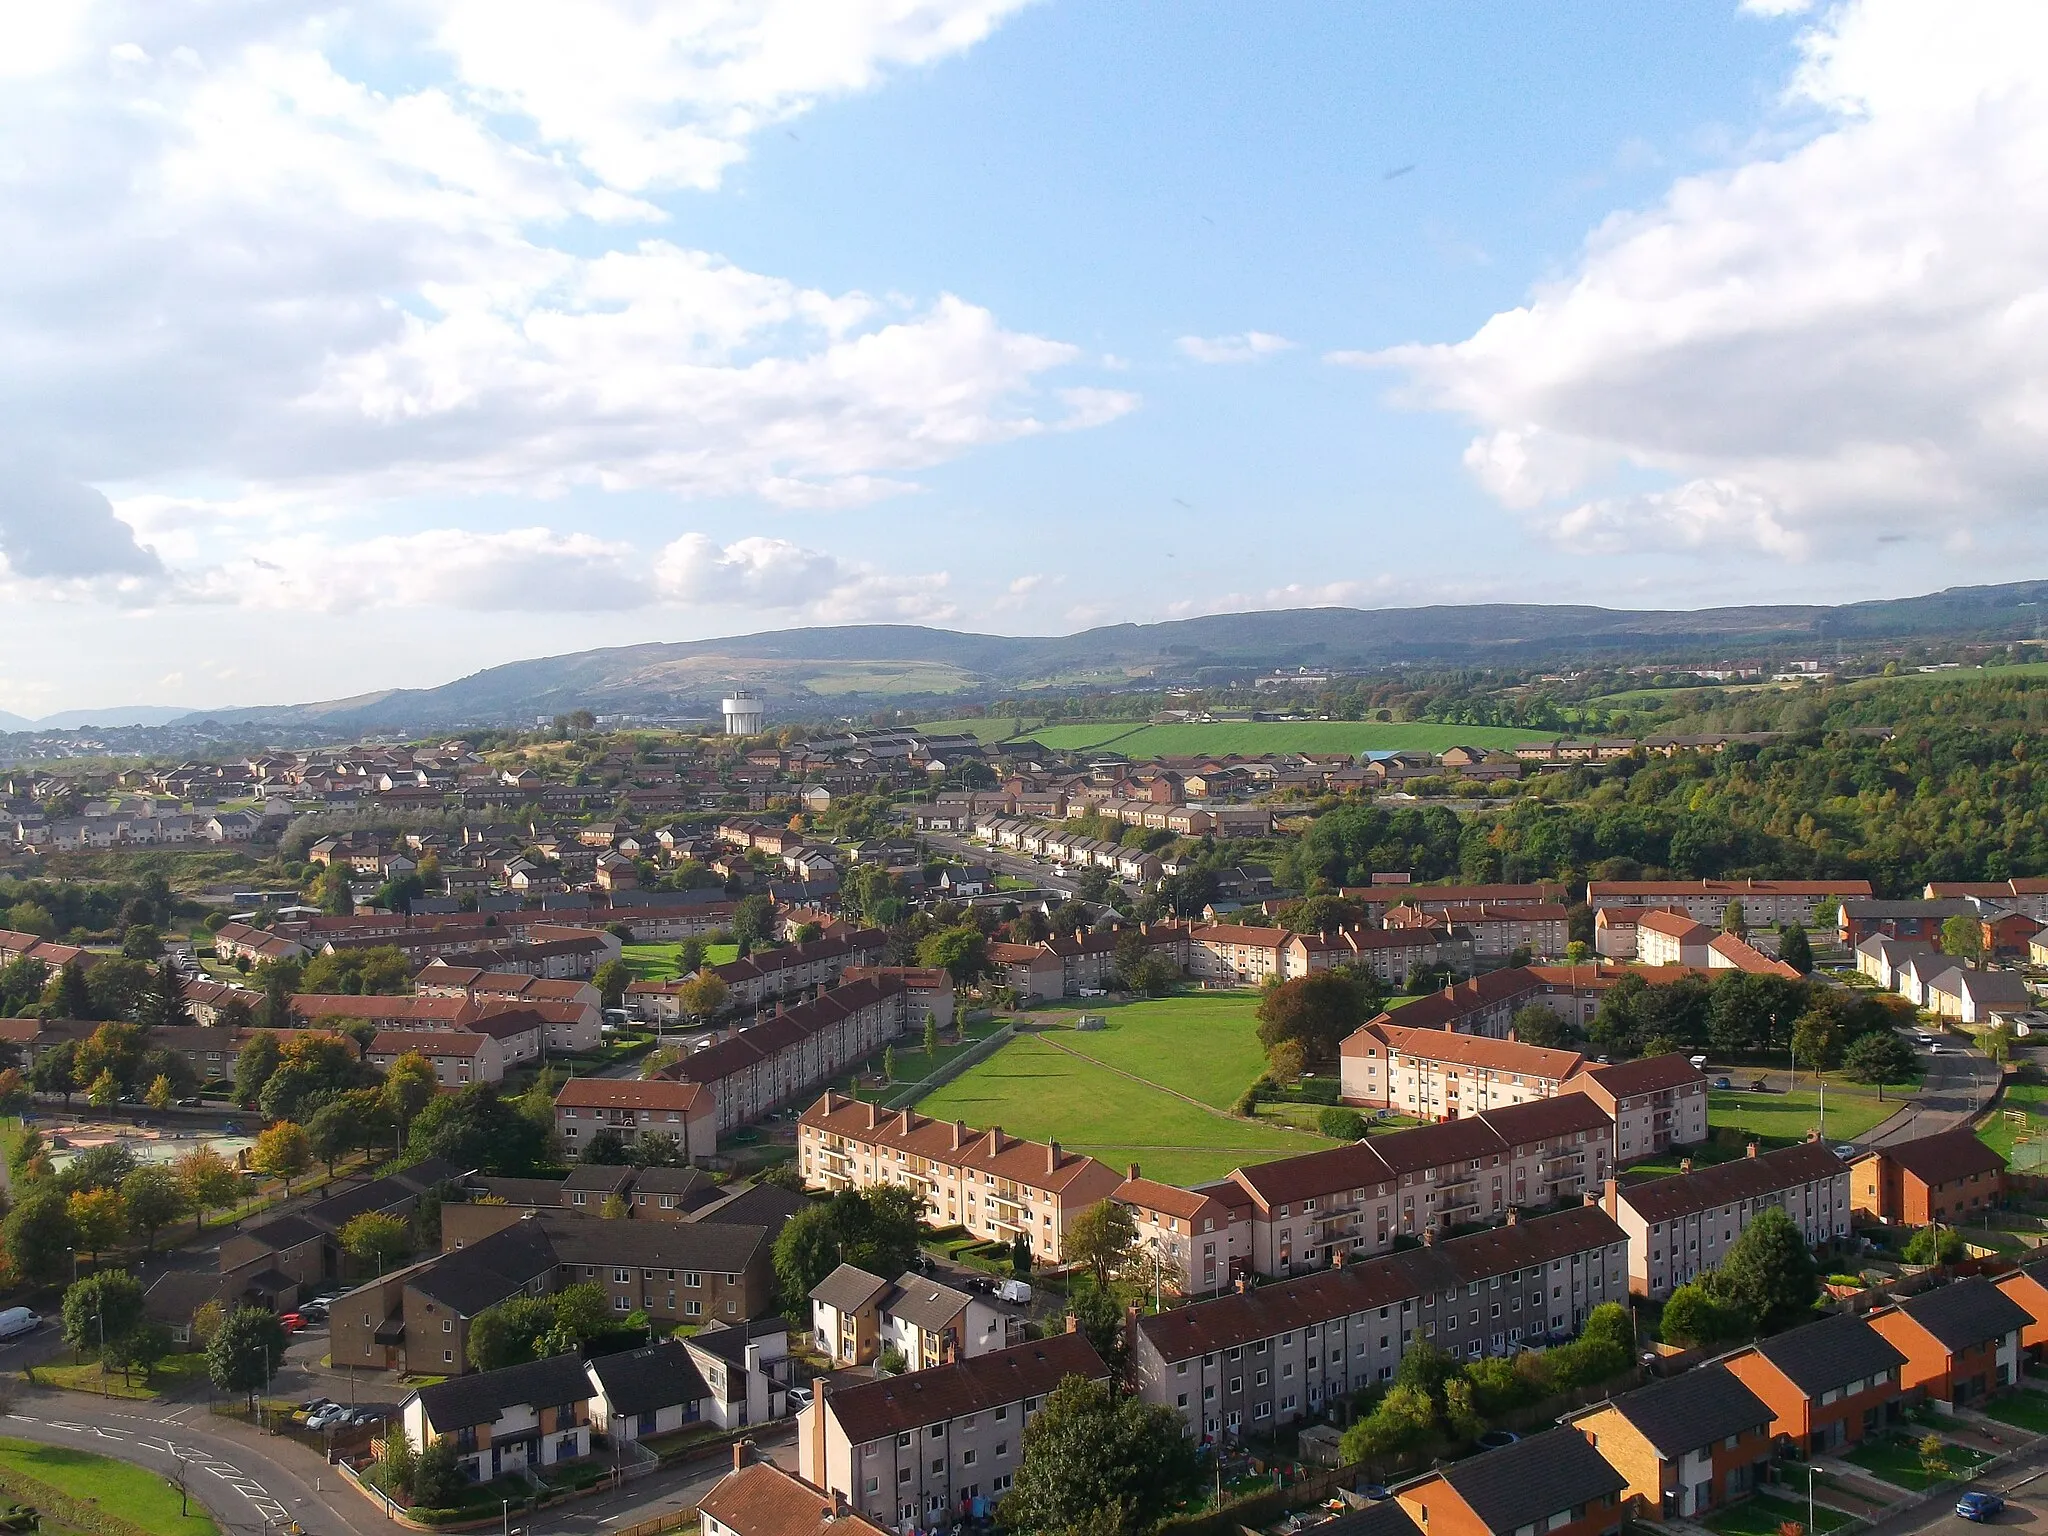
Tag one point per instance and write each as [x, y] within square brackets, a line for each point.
[16, 1321]
[291, 1322]
[333, 1416]
[799, 1399]
[1980, 1507]
[1723, 1083]
[1014, 1290]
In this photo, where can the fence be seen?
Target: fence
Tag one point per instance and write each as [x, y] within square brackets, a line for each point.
[661, 1525]
[980, 1051]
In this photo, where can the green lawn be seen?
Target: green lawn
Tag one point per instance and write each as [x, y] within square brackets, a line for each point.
[172, 1372]
[131, 1492]
[1998, 1132]
[657, 962]
[1765, 1515]
[1031, 1088]
[2022, 1410]
[1252, 738]
[1897, 1460]
[982, 728]
[1789, 1116]
[913, 1065]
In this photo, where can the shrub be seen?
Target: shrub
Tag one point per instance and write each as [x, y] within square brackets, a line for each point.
[1341, 1124]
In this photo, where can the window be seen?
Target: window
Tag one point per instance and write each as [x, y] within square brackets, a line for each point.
[967, 1458]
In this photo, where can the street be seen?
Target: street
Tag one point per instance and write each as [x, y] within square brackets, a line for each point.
[1956, 1085]
[2024, 1483]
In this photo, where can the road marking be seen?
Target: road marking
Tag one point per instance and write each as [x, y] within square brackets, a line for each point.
[258, 1496]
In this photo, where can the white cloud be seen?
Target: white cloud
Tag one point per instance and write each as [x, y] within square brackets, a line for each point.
[1775, 7]
[241, 259]
[1246, 347]
[777, 574]
[1844, 340]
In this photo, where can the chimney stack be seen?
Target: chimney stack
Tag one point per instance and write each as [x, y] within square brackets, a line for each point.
[1750, 1150]
[1514, 1215]
[1073, 1323]
[874, 1115]
[959, 1133]
[1429, 1237]
[904, 1124]
[1052, 1157]
[739, 1453]
[1131, 1172]
[1685, 1165]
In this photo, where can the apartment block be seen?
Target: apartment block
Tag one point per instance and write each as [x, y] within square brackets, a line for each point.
[1265, 1356]
[1655, 1102]
[996, 1186]
[1357, 1199]
[921, 1448]
[1765, 903]
[1202, 1237]
[1680, 1227]
[1434, 1074]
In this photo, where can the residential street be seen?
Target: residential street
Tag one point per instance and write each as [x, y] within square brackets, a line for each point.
[1957, 1083]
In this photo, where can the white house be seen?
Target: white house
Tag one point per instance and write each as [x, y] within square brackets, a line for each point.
[650, 1391]
[530, 1415]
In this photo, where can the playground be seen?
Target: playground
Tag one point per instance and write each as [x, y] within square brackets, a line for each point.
[67, 1135]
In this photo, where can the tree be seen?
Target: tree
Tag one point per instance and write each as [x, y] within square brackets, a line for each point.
[1020, 1255]
[283, 1151]
[1537, 1025]
[1963, 937]
[14, 1092]
[611, 980]
[99, 1217]
[961, 952]
[1795, 949]
[888, 1063]
[376, 1238]
[1286, 1062]
[1316, 1011]
[332, 1132]
[1340, 1124]
[614, 1208]
[71, 998]
[409, 1087]
[753, 920]
[476, 1128]
[606, 1149]
[254, 1064]
[1768, 1272]
[22, 981]
[1933, 1453]
[38, 1235]
[101, 1311]
[506, 1333]
[154, 1198]
[657, 1149]
[56, 1071]
[1878, 1058]
[208, 1182]
[160, 1094]
[141, 942]
[1090, 1450]
[931, 1038]
[1813, 1039]
[1694, 1318]
[314, 1067]
[705, 995]
[1997, 1041]
[1104, 1237]
[100, 1167]
[246, 1352]
[1402, 1420]
[875, 1229]
[105, 1090]
[1733, 919]
[163, 1005]
[1934, 1245]
[582, 1314]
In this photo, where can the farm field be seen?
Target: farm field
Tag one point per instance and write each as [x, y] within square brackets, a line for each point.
[1251, 738]
[131, 1492]
[1152, 1089]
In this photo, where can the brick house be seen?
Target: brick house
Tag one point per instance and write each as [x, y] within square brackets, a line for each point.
[633, 1107]
[1950, 1176]
[1687, 1445]
[1828, 1384]
[1961, 1341]
[1554, 1482]
[1434, 1074]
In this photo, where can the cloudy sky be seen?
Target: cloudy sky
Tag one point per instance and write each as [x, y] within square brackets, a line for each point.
[348, 345]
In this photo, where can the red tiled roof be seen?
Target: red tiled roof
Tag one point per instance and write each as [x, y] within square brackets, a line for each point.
[763, 1500]
[1943, 1157]
[628, 1093]
[1650, 1074]
[1745, 1178]
[875, 1410]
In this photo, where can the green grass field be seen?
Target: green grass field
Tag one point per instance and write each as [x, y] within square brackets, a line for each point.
[657, 962]
[1249, 738]
[1897, 1460]
[2001, 1134]
[133, 1493]
[1765, 1515]
[1789, 1116]
[991, 728]
[1205, 1048]
[2022, 1410]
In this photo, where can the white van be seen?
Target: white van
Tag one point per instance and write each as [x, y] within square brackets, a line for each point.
[16, 1321]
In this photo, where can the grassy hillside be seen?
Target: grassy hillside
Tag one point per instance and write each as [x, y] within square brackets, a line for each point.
[985, 729]
[1251, 739]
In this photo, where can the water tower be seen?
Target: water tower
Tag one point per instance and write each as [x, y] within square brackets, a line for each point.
[744, 715]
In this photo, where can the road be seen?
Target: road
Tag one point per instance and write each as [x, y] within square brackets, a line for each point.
[252, 1482]
[2024, 1483]
[1002, 860]
[1955, 1087]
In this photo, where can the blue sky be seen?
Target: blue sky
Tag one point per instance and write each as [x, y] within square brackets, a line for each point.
[365, 347]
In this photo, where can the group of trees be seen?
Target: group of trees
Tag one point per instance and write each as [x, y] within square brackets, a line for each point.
[872, 1229]
[1766, 1280]
[100, 1201]
[535, 1327]
[1303, 1022]
[1435, 1397]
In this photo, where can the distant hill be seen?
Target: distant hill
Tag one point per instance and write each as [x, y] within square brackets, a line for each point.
[820, 669]
[122, 714]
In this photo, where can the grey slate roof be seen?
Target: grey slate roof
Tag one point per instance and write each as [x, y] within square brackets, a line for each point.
[1972, 1311]
[286, 1232]
[926, 1304]
[644, 1380]
[848, 1288]
[479, 1399]
[1822, 1356]
[1533, 1478]
[758, 1205]
[1386, 1518]
[1693, 1409]
[488, 1270]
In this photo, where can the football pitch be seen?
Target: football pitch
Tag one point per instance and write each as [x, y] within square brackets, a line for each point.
[1153, 1088]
